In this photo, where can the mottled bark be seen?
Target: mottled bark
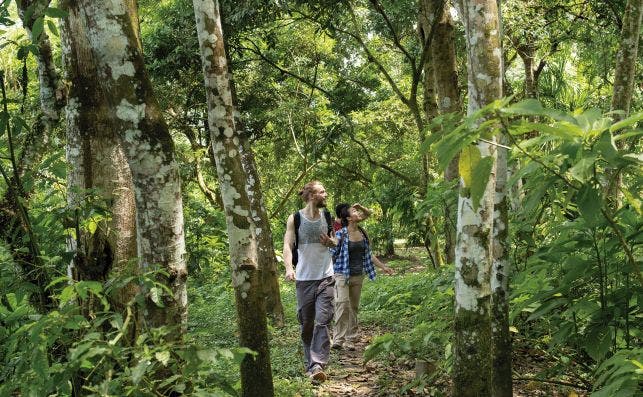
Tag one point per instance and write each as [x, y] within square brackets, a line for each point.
[445, 72]
[472, 351]
[427, 31]
[429, 102]
[148, 148]
[97, 162]
[267, 259]
[256, 373]
[50, 95]
[501, 339]
[626, 59]
[527, 54]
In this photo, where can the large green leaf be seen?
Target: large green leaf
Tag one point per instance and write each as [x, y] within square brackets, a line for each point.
[37, 28]
[480, 178]
[633, 119]
[583, 170]
[469, 159]
[589, 203]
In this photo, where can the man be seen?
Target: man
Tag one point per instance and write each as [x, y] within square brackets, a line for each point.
[313, 276]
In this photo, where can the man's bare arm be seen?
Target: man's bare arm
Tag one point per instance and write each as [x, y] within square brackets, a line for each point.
[289, 243]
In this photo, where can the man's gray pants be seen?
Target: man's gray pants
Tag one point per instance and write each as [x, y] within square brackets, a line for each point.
[315, 309]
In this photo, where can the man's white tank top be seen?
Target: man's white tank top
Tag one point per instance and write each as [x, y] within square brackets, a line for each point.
[314, 261]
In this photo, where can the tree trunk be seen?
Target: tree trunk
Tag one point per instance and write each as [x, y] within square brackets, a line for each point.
[527, 54]
[626, 59]
[148, 147]
[427, 20]
[16, 229]
[473, 348]
[501, 338]
[97, 161]
[445, 71]
[265, 247]
[256, 373]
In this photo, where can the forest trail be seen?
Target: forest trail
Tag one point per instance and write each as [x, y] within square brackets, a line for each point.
[350, 376]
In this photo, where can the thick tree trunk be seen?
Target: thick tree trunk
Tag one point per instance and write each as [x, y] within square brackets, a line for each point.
[473, 347]
[97, 161]
[626, 59]
[256, 373]
[149, 150]
[445, 71]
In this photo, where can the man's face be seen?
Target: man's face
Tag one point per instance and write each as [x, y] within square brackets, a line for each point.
[319, 196]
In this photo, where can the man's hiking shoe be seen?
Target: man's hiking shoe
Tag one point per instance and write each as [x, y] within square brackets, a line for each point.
[318, 375]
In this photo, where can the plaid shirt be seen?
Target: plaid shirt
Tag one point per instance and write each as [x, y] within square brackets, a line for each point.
[340, 256]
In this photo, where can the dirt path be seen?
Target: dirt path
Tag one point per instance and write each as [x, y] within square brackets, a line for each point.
[350, 376]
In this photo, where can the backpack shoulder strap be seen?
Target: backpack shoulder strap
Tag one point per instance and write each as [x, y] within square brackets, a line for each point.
[295, 254]
[329, 223]
[365, 234]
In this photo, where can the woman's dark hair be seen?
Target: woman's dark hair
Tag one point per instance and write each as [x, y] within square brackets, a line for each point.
[342, 212]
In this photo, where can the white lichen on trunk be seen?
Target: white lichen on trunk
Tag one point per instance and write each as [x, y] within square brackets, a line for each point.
[148, 147]
[472, 366]
[256, 373]
[626, 59]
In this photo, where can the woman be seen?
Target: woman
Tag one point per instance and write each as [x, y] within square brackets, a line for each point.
[352, 259]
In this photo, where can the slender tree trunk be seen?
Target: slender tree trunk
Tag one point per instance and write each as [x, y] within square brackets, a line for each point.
[445, 71]
[501, 381]
[265, 247]
[16, 230]
[502, 384]
[472, 369]
[149, 150]
[626, 59]
[256, 373]
[527, 54]
[98, 162]
[427, 19]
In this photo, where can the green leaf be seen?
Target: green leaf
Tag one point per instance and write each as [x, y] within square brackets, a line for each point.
[546, 308]
[37, 28]
[52, 27]
[139, 370]
[583, 170]
[479, 181]
[633, 119]
[156, 294]
[589, 203]
[163, 357]
[469, 159]
[53, 12]
[557, 130]
[66, 295]
[605, 147]
[527, 107]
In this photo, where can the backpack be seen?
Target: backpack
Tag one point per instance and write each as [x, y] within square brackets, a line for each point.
[297, 216]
